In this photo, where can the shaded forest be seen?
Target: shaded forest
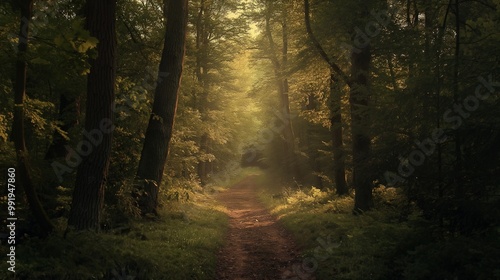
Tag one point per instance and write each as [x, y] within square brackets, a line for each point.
[132, 131]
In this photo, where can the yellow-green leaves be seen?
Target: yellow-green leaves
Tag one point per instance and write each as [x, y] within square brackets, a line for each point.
[77, 38]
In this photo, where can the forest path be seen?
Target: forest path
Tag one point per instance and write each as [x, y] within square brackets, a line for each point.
[257, 247]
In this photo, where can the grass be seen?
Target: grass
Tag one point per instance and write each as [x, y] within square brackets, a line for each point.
[181, 244]
[378, 244]
[227, 179]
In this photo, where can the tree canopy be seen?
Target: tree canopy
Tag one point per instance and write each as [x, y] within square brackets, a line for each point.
[114, 112]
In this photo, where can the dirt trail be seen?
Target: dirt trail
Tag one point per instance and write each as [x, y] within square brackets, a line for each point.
[256, 246]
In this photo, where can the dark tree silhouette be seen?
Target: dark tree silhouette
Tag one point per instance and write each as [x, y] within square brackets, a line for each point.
[159, 132]
[88, 195]
[18, 134]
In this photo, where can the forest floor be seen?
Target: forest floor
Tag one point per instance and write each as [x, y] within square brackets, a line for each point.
[257, 246]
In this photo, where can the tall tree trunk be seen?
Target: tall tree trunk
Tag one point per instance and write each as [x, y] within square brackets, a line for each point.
[88, 195]
[359, 103]
[202, 45]
[439, 83]
[285, 101]
[159, 132]
[337, 136]
[456, 99]
[18, 125]
[335, 108]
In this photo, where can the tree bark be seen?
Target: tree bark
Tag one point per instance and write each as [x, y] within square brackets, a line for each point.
[88, 195]
[359, 103]
[336, 129]
[18, 135]
[159, 132]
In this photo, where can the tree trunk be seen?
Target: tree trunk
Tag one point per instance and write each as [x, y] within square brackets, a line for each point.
[69, 108]
[335, 108]
[202, 48]
[359, 101]
[456, 99]
[159, 132]
[88, 195]
[202, 165]
[337, 136]
[285, 104]
[18, 125]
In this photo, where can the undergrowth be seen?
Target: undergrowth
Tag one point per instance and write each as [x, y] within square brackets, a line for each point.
[180, 244]
[392, 241]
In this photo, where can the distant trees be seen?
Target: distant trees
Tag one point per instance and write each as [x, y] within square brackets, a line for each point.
[218, 37]
[204, 30]
[95, 148]
[161, 122]
[274, 47]
[365, 94]
[277, 12]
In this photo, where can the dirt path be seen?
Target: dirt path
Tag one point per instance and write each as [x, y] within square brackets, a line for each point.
[256, 246]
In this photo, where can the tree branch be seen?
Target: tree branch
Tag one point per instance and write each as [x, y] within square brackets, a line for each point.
[320, 49]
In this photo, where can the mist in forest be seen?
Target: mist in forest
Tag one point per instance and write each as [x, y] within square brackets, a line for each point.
[256, 139]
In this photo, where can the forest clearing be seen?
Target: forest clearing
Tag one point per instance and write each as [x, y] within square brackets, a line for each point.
[250, 139]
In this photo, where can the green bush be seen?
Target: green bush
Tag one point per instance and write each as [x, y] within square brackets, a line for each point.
[392, 241]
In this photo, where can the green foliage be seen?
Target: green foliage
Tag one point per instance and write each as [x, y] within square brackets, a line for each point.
[78, 40]
[433, 225]
[36, 115]
[385, 243]
[181, 245]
